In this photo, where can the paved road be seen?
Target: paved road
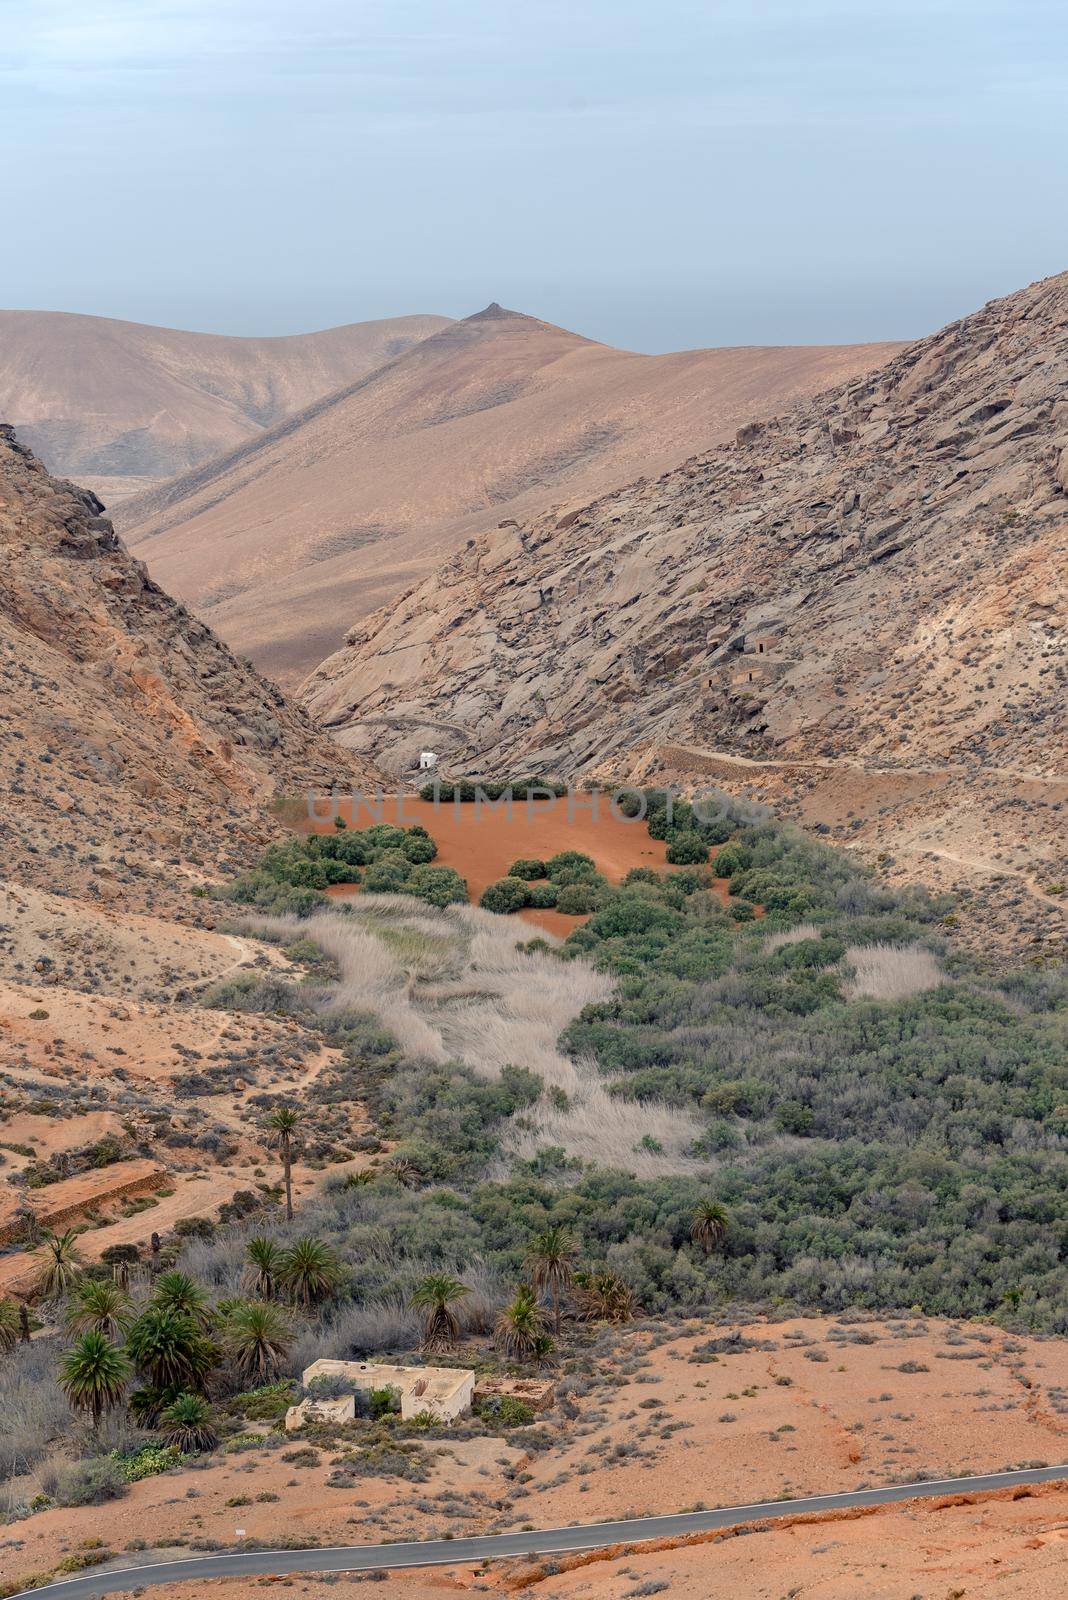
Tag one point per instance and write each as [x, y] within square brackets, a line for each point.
[498, 1546]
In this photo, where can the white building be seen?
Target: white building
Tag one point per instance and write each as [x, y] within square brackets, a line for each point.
[445, 1392]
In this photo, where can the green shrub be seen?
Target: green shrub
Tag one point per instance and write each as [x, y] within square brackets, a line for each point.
[147, 1462]
[419, 848]
[570, 866]
[528, 867]
[577, 899]
[731, 859]
[438, 886]
[506, 1410]
[506, 895]
[686, 849]
[388, 874]
[543, 895]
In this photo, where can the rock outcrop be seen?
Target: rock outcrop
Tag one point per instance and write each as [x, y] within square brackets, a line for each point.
[132, 741]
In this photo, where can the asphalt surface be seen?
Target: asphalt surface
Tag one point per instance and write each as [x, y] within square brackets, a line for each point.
[500, 1546]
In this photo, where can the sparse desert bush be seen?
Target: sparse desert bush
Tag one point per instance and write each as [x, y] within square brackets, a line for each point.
[88, 1483]
[34, 1411]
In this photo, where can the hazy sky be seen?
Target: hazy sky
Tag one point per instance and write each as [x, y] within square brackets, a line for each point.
[656, 173]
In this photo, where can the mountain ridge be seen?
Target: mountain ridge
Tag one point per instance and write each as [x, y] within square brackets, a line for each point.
[339, 508]
[119, 403]
[130, 737]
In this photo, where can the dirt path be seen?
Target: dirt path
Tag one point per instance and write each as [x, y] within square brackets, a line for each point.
[664, 752]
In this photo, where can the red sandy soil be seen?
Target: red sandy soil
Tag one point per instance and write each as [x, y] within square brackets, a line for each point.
[1003, 1546]
[662, 1432]
[482, 842]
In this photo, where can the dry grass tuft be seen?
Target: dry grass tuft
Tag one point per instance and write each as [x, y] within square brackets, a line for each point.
[889, 971]
[804, 930]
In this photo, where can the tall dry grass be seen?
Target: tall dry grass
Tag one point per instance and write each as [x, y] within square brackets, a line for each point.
[453, 985]
[804, 930]
[889, 971]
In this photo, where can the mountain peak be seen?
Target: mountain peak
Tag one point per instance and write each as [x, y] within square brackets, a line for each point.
[495, 311]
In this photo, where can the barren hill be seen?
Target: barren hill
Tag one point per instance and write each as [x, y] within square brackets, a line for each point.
[871, 588]
[331, 513]
[132, 743]
[119, 405]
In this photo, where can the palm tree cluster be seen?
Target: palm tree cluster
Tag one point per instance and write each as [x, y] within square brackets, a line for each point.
[174, 1342]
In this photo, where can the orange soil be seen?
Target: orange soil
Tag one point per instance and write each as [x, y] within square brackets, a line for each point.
[56, 1203]
[481, 843]
[665, 1431]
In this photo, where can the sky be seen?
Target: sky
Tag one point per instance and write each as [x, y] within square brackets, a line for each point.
[659, 175]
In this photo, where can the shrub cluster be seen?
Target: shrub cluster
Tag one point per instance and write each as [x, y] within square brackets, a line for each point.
[384, 858]
[569, 881]
[467, 790]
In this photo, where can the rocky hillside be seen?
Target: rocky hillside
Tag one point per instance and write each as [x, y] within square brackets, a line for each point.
[876, 580]
[119, 405]
[281, 544]
[133, 745]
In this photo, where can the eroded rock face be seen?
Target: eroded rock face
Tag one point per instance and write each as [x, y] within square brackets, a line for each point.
[127, 729]
[899, 545]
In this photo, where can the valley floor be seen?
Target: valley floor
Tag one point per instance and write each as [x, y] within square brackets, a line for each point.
[667, 1417]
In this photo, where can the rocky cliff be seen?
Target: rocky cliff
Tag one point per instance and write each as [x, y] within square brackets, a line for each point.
[133, 744]
[878, 578]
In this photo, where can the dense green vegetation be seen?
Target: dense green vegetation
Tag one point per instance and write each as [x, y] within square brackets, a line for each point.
[468, 790]
[876, 1151]
[384, 859]
[869, 1151]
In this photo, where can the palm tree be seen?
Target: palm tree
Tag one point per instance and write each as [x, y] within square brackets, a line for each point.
[284, 1125]
[709, 1224]
[177, 1291]
[520, 1332]
[434, 1296]
[61, 1262]
[169, 1349]
[9, 1326]
[603, 1297]
[257, 1335]
[309, 1271]
[94, 1374]
[99, 1305]
[265, 1263]
[188, 1423]
[550, 1262]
